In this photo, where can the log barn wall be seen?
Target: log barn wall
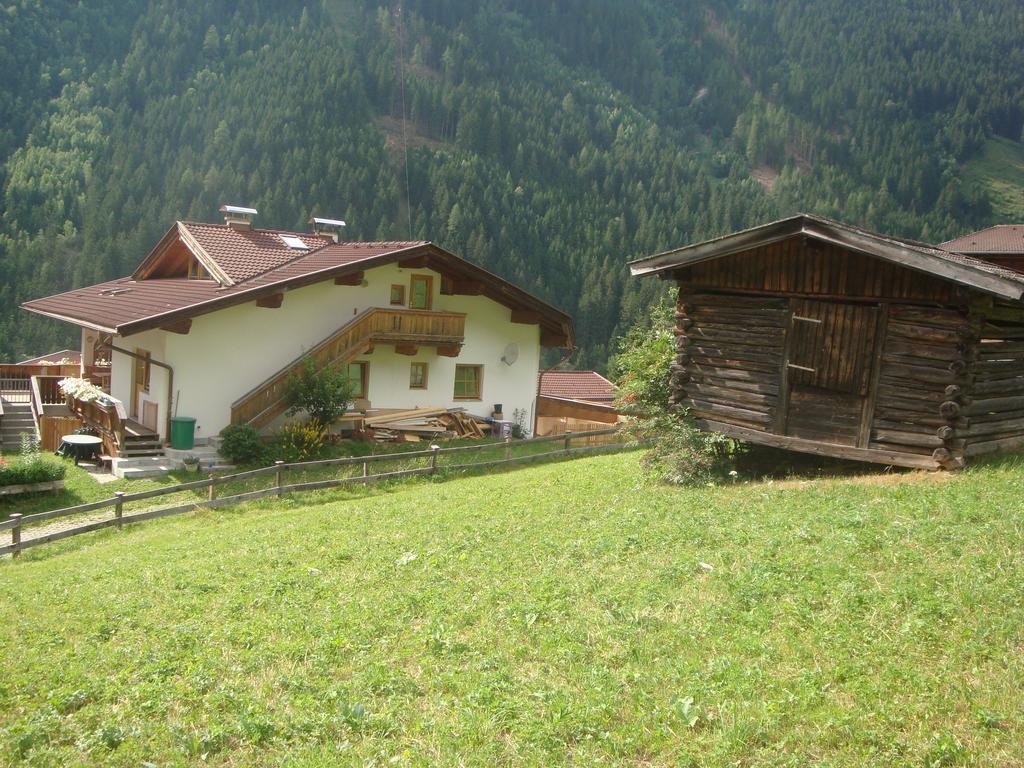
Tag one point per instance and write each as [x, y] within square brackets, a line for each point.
[991, 409]
[937, 368]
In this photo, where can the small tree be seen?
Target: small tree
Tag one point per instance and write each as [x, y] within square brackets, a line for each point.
[324, 393]
[681, 454]
[642, 366]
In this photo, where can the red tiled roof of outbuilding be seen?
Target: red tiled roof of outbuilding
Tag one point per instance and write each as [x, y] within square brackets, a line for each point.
[577, 385]
[1000, 239]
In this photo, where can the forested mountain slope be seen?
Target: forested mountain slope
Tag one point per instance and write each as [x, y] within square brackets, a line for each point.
[548, 142]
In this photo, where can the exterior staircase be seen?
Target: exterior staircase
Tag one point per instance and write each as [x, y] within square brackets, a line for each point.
[405, 328]
[17, 419]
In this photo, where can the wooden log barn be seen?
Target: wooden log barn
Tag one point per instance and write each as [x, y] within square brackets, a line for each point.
[815, 336]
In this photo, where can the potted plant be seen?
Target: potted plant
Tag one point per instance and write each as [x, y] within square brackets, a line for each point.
[191, 462]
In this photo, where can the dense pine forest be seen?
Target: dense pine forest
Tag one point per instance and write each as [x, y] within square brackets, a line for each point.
[549, 142]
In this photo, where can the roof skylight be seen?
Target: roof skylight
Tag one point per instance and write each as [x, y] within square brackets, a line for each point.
[293, 242]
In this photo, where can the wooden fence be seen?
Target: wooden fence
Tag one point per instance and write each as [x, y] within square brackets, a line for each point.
[428, 462]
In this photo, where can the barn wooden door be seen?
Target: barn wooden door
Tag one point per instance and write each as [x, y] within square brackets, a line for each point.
[828, 374]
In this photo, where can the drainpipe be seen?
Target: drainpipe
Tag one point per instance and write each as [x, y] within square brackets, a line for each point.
[170, 380]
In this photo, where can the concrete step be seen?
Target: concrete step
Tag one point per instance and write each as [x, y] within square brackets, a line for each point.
[154, 466]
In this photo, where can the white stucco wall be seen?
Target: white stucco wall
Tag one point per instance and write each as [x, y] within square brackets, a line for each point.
[227, 353]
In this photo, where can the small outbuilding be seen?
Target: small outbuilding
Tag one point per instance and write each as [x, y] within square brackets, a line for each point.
[816, 336]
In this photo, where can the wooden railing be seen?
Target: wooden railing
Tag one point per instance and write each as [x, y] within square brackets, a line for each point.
[392, 466]
[106, 418]
[15, 380]
[266, 401]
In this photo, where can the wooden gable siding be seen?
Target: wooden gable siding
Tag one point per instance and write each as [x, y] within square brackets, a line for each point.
[814, 269]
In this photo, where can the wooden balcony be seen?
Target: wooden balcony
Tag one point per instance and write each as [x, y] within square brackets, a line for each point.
[406, 329]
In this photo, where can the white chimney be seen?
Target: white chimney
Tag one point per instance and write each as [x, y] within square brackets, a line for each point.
[238, 217]
[330, 227]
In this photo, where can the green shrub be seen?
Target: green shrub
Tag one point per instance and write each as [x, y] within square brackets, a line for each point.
[642, 365]
[37, 469]
[681, 453]
[242, 444]
[324, 393]
[300, 441]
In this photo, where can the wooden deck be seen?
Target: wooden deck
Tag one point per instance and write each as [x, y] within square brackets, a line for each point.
[132, 428]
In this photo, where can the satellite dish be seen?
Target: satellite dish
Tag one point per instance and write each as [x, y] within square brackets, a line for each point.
[511, 354]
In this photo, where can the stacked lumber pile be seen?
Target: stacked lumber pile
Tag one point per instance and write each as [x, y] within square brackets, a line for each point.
[424, 424]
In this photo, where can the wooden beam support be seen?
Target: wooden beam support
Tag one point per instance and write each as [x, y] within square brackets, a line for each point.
[356, 278]
[406, 349]
[181, 326]
[526, 317]
[270, 302]
[550, 338]
[449, 350]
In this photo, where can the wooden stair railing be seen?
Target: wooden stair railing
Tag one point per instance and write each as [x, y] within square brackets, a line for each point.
[107, 419]
[263, 403]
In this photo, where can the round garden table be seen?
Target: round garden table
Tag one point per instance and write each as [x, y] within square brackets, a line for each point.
[82, 446]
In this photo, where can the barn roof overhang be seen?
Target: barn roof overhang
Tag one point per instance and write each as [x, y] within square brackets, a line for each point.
[975, 273]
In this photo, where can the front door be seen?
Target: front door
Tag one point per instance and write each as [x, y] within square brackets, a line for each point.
[829, 365]
[140, 379]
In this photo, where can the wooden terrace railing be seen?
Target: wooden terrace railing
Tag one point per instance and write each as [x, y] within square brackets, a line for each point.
[108, 419]
[265, 401]
[15, 380]
[407, 464]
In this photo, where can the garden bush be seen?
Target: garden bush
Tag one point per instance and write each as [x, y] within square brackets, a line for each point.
[242, 444]
[26, 471]
[681, 454]
[300, 441]
[324, 393]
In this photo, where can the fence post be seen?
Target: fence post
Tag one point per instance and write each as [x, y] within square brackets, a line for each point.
[118, 507]
[16, 535]
[212, 494]
[568, 438]
[364, 469]
[279, 464]
[508, 448]
[433, 458]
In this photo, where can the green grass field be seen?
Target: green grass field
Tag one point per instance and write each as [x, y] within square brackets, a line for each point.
[1000, 170]
[564, 614]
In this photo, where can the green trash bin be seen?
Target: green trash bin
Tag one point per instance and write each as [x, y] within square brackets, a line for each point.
[183, 432]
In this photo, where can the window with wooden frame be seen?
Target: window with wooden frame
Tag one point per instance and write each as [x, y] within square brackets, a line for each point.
[421, 289]
[359, 377]
[469, 382]
[197, 271]
[418, 375]
[398, 295]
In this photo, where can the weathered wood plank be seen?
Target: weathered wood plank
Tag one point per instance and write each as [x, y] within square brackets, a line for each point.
[746, 414]
[727, 395]
[895, 458]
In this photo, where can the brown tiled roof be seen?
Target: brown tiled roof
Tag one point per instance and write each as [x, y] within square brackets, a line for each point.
[577, 385]
[1001, 239]
[329, 257]
[258, 267]
[243, 254]
[116, 303]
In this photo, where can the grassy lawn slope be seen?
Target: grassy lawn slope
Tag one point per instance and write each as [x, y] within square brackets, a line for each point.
[566, 614]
